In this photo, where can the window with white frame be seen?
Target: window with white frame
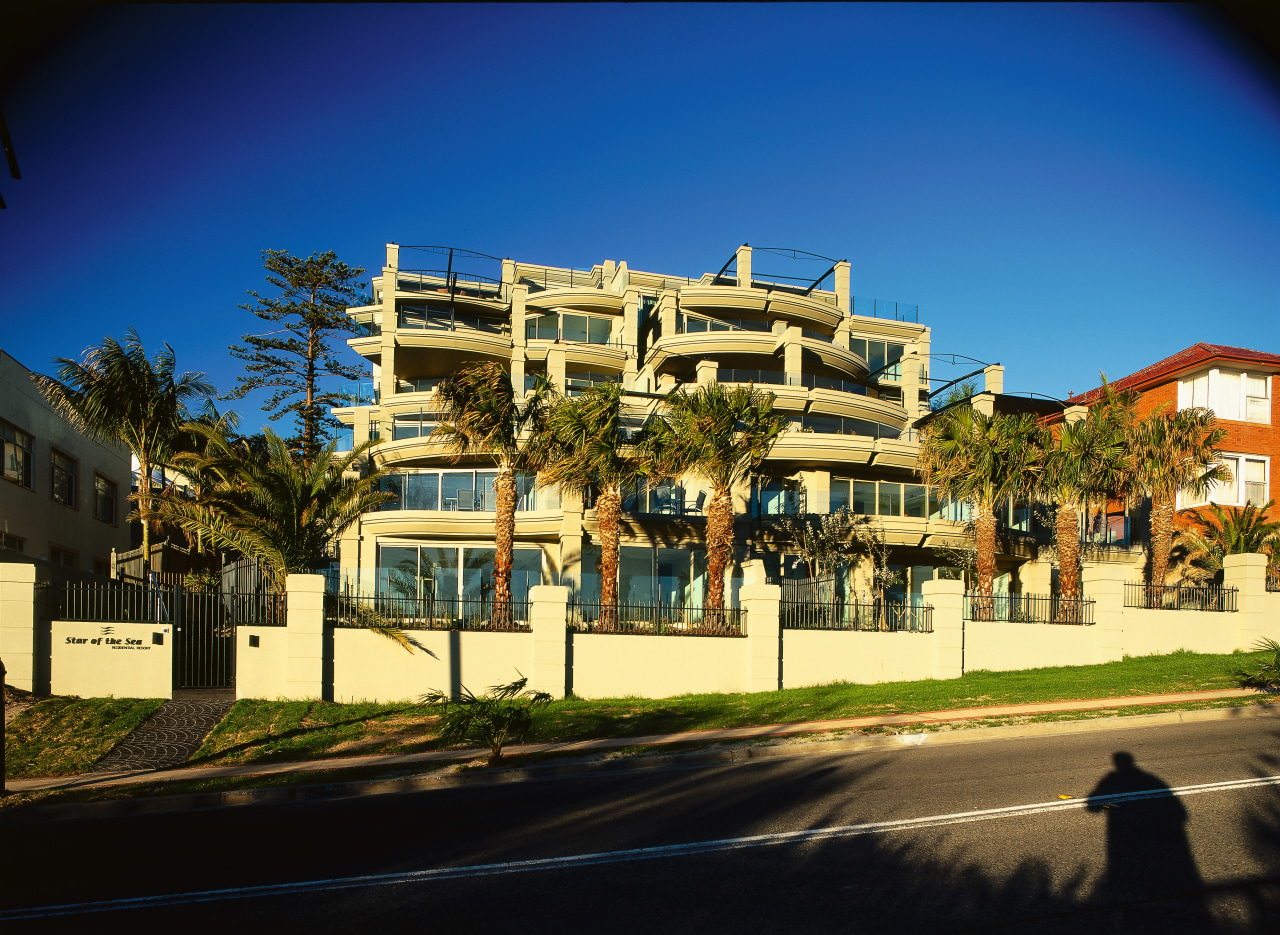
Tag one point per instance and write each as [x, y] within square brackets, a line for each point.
[1231, 394]
[1250, 481]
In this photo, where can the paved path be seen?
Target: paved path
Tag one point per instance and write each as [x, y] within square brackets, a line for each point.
[127, 776]
[169, 737]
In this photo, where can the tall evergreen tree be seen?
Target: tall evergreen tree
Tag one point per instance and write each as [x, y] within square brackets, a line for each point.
[311, 309]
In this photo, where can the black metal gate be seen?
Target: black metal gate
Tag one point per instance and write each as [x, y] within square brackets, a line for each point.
[204, 652]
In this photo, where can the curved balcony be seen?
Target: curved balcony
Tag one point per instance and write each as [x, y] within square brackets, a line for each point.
[596, 356]
[722, 298]
[579, 298]
[460, 339]
[712, 343]
[458, 525]
[394, 451]
[802, 309]
[835, 356]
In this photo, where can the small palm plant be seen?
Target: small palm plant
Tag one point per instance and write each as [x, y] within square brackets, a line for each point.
[1266, 677]
[502, 715]
[1220, 532]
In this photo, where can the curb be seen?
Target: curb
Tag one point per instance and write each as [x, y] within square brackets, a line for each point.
[586, 768]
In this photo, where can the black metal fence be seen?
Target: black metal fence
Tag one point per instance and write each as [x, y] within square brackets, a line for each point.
[1273, 581]
[1180, 597]
[656, 619]
[123, 602]
[1029, 608]
[879, 616]
[427, 613]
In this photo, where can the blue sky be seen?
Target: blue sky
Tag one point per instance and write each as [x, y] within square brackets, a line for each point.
[1061, 188]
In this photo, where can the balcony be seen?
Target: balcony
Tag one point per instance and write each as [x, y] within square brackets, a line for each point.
[358, 393]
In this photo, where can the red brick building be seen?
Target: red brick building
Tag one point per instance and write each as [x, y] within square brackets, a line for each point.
[1239, 385]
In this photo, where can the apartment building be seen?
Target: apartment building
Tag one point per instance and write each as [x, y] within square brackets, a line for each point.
[852, 374]
[64, 496]
[1239, 385]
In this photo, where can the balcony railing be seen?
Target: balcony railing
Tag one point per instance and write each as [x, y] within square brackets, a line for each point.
[426, 613]
[413, 318]
[449, 282]
[689, 324]
[766, 377]
[814, 382]
[358, 393]
[1180, 597]
[879, 308]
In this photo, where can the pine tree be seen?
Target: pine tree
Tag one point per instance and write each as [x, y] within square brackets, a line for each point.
[311, 308]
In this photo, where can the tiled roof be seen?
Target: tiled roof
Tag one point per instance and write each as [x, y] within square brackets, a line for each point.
[1174, 364]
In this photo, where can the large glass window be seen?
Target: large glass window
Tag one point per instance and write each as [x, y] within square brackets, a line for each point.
[584, 329]
[839, 494]
[890, 499]
[104, 499]
[447, 572]
[1232, 395]
[649, 575]
[413, 425]
[914, 500]
[18, 447]
[64, 472]
[864, 497]
[465, 491]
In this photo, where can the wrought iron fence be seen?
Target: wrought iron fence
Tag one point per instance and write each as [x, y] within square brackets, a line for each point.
[1029, 608]
[656, 619]
[1180, 597]
[1273, 580]
[122, 602]
[879, 616]
[426, 613]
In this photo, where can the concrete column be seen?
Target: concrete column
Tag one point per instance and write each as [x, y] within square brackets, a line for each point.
[947, 600]
[817, 491]
[630, 335]
[910, 385]
[792, 353]
[305, 618]
[764, 637]
[19, 623]
[548, 613]
[1104, 585]
[843, 295]
[744, 266]
[706, 372]
[621, 281]
[1248, 573]
[393, 255]
[387, 365]
[1036, 577]
[993, 379]
[555, 368]
[519, 296]
[984, 403]
[666, 312]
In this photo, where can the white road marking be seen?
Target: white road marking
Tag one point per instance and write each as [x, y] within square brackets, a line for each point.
[638, 853]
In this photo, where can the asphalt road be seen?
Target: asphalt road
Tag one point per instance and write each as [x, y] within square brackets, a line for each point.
[969, 837]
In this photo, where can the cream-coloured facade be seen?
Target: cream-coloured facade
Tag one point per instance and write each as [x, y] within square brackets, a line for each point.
[853, 385]
[64, 496]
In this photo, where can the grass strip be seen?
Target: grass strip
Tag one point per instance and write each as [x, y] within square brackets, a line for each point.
[276, 731]
[65, 736]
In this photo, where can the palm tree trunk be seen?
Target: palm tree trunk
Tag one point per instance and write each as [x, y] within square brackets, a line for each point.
[719, 548]
[986, 545]
[608, 520]
[1162, 509]
[144, 512]
[504, 488]
[1068, 552]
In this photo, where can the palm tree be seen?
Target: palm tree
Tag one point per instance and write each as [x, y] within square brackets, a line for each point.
[282, 510]
[983, 460]
[481, 415]
[722, 436]
[1083, 461]
[1170, 452]
[115, 393]
[1220, 532]
[582, 445]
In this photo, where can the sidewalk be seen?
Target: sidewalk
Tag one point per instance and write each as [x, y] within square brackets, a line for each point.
[106, 779]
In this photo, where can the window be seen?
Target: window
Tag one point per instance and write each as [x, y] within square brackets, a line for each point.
[584, 329]
[880, 355]
[1248, 484]
[914, 500]
[864, 497]
[449, 573]
[839, 493]
[13, 543]
[104, 499]
[1232, 395]
[64, 479]
[890, 499]
[17, 454]
[63, 557]
[460, 491]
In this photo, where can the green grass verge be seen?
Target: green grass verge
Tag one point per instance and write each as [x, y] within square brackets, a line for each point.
[65, 736]
[267, 731]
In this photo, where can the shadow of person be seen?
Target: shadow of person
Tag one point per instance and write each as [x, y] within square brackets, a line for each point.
[1148, 854]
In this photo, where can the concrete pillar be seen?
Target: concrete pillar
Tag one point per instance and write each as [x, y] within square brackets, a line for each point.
[19, 626]
[387, 365]
[305, 618]
[843, 295]
[393, 255]
[762, 604]
[1075, 413]
[519, 296]
[1248, 574]
[744, 266]
[508, 272]
[666, 312]
[910, 383]
[984, 403]
[1036, 577]
[1104, 585]
[630, 335]
[993, 379]
[621, 281]
[706, 371]
[817, 491]
[548, 613]
[947, 600]
[792, 354]
[555, 368]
